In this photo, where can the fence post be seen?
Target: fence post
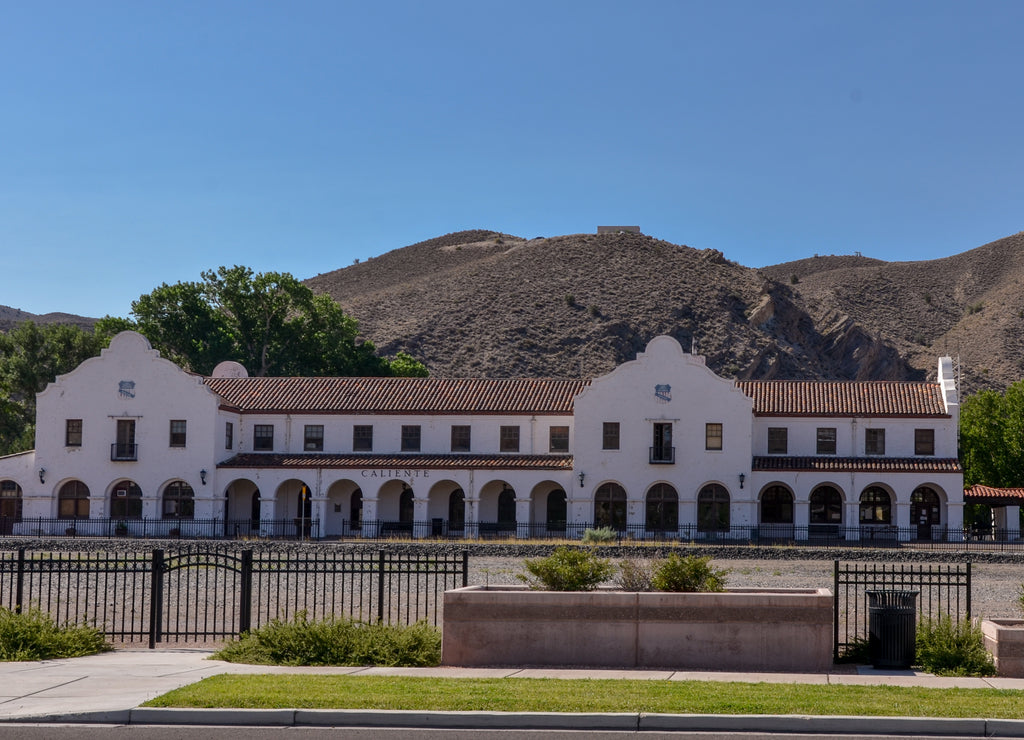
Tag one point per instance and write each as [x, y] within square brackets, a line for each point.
[968, 589]
[465, 568]
[380, 586]
[835, 612]
[19, 592]
[245, 593]
[156, 598]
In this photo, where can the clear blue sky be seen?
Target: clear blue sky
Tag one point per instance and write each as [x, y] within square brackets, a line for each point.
[143, 142]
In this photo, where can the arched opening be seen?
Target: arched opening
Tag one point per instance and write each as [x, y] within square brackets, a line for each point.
[713, 509]
[662, 511]
[406, 507]
[925, 511]
[507, 510]
[126, 501]
[10, 506]
[776, 513]
[875, 506]
[456, 510]
[556, 511]
[179, 501]
[254, 509]
[826, 512]
[610, 507]
[73, 500]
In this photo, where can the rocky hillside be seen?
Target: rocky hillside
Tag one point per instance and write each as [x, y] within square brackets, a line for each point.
[10, 317]
[490, 304]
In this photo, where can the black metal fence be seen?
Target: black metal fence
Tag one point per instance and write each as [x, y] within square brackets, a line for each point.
[197, 594]
[944, 589]
[144, 528]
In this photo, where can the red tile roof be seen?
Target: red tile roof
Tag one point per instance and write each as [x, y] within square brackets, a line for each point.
[843, 398]
[988, 493]
[406, 396]
[859, 464]
[410, 462]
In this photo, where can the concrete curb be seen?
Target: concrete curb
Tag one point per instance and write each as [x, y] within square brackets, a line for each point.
[626, 721]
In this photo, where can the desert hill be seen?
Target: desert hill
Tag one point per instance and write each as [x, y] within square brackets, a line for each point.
[490, 304]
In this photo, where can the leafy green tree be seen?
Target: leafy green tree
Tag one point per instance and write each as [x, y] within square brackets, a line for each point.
[32, 355]
[992, 437]
[270, 322]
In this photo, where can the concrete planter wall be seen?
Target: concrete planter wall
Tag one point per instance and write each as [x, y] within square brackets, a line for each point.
[1004, 639]
[749, 629]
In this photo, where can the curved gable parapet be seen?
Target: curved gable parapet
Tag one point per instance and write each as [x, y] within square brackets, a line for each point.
[125, 349]
[662, 354]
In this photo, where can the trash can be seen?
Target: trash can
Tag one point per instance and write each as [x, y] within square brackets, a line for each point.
[892, 626]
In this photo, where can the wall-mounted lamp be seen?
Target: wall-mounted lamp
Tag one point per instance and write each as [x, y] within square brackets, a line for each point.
[42, 475]
[581, 477]
[202, 476]
[742, 478]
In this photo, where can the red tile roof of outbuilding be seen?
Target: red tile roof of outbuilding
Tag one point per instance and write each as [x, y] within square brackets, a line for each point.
[978, 491]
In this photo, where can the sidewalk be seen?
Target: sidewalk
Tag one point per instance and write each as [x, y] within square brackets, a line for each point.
[108, 688]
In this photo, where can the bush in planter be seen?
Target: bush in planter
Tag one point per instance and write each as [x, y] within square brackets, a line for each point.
[688, 574]
[567, 569]
[948, 648]
[599, 536]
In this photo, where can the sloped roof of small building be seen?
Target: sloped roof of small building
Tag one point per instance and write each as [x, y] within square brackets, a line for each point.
[978, 492]
[411, 396]
[844, 398]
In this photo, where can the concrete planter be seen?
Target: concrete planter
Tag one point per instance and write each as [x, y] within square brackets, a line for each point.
[1004, 639]
[743, 630]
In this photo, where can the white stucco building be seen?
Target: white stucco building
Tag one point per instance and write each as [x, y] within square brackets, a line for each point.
[661, 446]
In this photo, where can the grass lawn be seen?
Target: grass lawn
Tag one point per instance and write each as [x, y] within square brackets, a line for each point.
[588, 695]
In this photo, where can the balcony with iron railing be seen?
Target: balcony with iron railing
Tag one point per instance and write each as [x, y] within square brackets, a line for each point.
[663, 455]
[123, 452]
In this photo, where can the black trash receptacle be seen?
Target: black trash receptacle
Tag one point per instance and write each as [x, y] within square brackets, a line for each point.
[892, 627]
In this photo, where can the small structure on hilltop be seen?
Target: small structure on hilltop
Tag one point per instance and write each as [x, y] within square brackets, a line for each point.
[618, 230]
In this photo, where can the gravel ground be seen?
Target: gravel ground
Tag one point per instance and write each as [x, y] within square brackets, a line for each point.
[994, 592]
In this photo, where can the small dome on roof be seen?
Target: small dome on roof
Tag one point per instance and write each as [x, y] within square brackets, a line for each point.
[230, 369]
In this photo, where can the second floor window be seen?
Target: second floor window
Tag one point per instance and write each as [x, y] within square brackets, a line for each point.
[229, 435]
[73, 433]
[559, 439]
[410, 438]
[778, 440]
[610, 435]
[874, 441]
[263, 437]
[460, 438]
[713, 436]
[178, 432]
[509, 439]
[826, 441]
[313, 438]
[924, 441]
[362, 438]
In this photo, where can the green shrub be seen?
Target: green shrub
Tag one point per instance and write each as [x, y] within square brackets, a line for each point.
[688, 574]
[568, 569]
[599, 536]
[635, 574]
[948, 648]
[32, 635]
[335, 642]
[1020, 597]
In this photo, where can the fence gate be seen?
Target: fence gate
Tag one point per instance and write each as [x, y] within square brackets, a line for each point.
[945, 589]
[200, 595]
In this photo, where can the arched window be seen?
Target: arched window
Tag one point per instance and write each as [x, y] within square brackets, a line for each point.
[506, 509]
[875, 506]
[557, 510]
[662, 509]
[179, 501]
[925, 511]
[126, 501]
[10, 506]
[406, 506]
[826, 506]
[610, 507]
[777, 505]
[713, 509]
[355, 509]
[73, 500]
[457, 509]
